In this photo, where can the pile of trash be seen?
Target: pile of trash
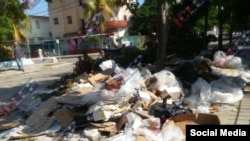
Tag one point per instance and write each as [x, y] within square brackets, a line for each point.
[132, 103]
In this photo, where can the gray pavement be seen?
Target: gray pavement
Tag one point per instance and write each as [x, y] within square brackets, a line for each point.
[236, 114]
[44, 73]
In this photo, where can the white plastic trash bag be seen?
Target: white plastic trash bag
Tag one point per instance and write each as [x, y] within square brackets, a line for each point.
[233, 62]
[166, 79]
[200, 93]
[225, 92]
[220, 59]
[109, 64]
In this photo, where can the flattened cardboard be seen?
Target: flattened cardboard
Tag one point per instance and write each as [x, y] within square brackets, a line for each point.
[106, 126]
[42, 111]
[9, 125]
[75, 97]
[65, 117]
[122, 121]
[140, 138]
[39, 120]
[43, 124]
[100, 77]
[195, 119]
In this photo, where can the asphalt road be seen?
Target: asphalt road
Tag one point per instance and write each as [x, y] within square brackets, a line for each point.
[43, 73]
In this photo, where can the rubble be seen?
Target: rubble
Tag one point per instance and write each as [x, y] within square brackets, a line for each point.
[112, 103]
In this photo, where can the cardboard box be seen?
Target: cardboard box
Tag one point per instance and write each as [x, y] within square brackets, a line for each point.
[100, 77]
[195, 119]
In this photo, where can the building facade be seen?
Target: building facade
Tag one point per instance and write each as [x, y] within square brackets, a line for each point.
[66, 18]
[38, 33]
[39, 29]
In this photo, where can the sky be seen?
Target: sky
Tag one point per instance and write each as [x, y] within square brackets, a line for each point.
[140, 2]
[41, 9]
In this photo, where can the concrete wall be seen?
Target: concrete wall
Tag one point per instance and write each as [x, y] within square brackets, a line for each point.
[39, 29]
[61, 9]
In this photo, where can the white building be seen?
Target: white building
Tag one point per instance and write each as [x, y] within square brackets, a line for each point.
[39, 29]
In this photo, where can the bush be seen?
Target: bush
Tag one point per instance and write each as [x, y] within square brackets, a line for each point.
[127, 55]
[5, 53]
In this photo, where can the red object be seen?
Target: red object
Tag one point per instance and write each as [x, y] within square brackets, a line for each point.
[116, 24]
[113, 84]
[7, 108]
[177, 22]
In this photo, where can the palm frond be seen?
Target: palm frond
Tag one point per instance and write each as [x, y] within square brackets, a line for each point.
[106, 8]
[21, 34]
[102, 24]
[89, 9]
[16, 36]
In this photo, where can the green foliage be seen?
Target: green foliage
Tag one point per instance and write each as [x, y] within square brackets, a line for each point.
[184, 43]
[145, 18]
[5, 53]
[11, 13]
[6, 28]
[92, 39]
[127, 55]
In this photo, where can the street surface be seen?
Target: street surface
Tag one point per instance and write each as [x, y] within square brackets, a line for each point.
[44, 73]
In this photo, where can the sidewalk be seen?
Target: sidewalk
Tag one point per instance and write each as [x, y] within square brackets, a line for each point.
[32, 68]
[44, 73]
[236, 114]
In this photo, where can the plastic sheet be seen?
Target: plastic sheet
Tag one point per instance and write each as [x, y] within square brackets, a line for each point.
[132, 84]
[200, 93]
[224, 91]
[218, 91]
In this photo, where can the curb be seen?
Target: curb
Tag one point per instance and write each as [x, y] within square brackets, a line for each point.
[55, 65]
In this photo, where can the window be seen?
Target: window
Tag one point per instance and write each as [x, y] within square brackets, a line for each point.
[56, 21]
[69, 19]
[37, 24]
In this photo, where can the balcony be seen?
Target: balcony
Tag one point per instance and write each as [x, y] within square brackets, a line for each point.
[116, 24]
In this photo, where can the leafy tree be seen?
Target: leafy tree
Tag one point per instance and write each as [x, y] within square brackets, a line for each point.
[145, 19]
[160, 12]
[11, 13]
[153, 16]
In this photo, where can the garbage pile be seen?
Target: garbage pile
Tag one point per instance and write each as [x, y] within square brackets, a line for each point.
[132, 103]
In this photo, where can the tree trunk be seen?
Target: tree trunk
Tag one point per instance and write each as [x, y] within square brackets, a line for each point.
[162, 35]
[220, 28]
[205, 27]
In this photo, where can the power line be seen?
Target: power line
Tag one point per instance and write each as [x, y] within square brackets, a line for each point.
[40, 12]
[61, 7]
[55, 9]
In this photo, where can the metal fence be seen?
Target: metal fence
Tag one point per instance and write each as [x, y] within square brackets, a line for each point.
[77, 45]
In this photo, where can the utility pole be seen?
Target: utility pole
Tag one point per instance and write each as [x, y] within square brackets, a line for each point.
[58, 47]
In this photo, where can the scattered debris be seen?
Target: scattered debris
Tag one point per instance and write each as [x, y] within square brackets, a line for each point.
[100, 100]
